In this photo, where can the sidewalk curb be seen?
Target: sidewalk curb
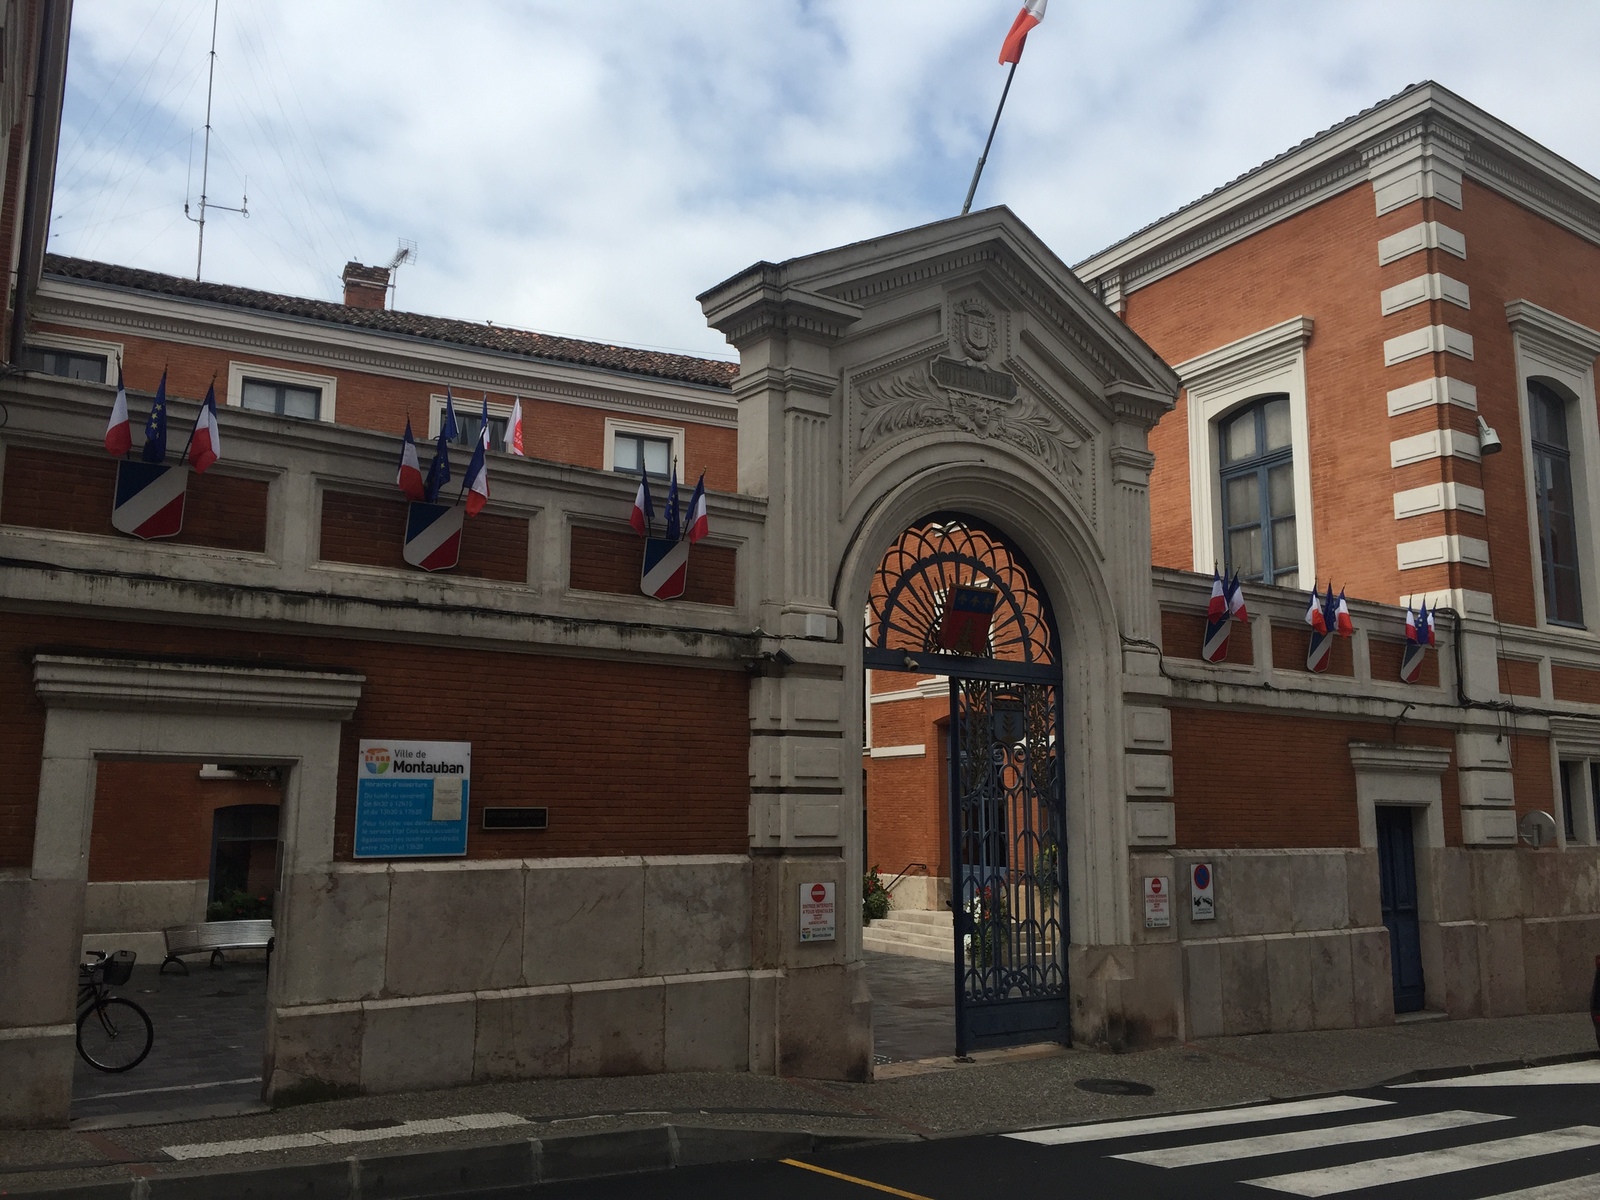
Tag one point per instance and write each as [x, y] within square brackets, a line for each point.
[1429, 1074]
[481, 1170]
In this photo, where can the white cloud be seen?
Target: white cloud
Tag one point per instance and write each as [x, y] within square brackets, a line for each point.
[588, 169]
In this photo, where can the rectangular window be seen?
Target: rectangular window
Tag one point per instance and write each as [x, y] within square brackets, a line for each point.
[1569, 787]
[467, 430]
[1258, 518]
[1553, 500]
[70, 364]
[637, 454]
[281, 399]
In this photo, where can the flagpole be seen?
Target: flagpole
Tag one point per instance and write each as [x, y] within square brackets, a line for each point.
[984, 157]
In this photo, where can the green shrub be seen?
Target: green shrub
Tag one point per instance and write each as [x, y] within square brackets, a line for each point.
[239, 906]
[874, 897]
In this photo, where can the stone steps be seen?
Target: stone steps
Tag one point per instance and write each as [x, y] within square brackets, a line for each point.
[912, 932]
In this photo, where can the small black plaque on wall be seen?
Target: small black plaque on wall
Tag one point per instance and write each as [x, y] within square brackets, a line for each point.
[516, 818]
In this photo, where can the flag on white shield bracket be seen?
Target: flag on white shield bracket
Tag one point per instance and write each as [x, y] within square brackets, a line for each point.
[148, 502]
[666, 568]
[433, 535]
[1218, 622]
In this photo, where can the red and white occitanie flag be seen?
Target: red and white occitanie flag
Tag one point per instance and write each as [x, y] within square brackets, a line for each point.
[514, 431]
[1032, 13]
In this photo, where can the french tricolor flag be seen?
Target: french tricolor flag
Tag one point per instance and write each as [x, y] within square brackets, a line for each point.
[1314, 617]
[1215, 646]
[1343, 624]
[1236, 608]
[1032, 13]
[119, 433]
[475, 484]
[698, 522]
[205, 444]
[644, 513]
[408, 478]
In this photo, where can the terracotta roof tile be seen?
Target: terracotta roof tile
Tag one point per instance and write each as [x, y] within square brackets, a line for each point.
[682, 368]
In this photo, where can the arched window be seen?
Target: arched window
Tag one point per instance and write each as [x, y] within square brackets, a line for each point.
[1258, 521]
[1552, 484]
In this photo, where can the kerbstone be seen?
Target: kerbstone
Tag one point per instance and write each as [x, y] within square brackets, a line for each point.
[454, 928]
[523, 1034]
[618, 1027]
[334, 943]
[585, 921]
[409, 1045]
[696, 916]
[707, 1022]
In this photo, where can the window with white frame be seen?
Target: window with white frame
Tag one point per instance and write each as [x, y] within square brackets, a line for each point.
[1249, 450]
[469, 418]
[1257, 467]
[1578, 800]
[86, 359]
[281, 392]
[638, 447]
[1560, 452]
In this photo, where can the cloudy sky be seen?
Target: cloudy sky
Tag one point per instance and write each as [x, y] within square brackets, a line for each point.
[587, 168]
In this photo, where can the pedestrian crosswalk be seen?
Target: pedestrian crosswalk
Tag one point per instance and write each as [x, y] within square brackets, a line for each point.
[1383, 1145]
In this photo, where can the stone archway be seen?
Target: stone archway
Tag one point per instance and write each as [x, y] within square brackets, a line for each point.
[99, 709]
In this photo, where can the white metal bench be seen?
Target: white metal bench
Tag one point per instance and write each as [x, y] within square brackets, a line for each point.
[213, 937]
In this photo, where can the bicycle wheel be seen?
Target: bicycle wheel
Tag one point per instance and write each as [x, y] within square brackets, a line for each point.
[114, 1035]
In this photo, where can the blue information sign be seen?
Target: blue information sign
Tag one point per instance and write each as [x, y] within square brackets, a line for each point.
[412, 799]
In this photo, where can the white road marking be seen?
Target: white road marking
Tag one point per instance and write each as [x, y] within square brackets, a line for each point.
[1308, 1139]
[1586, 1188]
[340, 1137]
[1585, 1071]
[1176, 1123]
[1379, 1171]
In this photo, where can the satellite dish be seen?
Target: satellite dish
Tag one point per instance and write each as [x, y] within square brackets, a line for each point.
[1537, 829]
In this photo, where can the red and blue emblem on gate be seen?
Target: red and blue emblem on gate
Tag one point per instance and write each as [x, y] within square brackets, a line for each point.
[433, 535]
[964, 628]
[149, 499]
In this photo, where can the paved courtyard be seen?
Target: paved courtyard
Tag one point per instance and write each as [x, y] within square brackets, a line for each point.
[913, 1007]
[209, 1030]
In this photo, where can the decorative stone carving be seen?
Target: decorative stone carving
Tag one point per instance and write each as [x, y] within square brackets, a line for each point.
[913, 401]
[975, 328]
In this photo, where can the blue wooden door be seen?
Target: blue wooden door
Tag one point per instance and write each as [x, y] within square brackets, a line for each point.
[1397, 867]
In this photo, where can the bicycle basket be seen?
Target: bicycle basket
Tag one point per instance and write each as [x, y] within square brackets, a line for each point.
[119, 967]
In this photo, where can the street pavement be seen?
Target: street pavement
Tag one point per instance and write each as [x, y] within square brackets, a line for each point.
[1530, 1134]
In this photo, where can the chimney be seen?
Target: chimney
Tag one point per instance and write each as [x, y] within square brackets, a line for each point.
[365, 287]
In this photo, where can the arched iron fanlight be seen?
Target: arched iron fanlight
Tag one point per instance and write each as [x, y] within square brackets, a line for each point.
[930, 567]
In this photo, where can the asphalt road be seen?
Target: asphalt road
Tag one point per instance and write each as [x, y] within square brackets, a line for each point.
[1521, 1134]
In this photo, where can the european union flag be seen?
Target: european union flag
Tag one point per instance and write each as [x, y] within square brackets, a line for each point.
[155, 429]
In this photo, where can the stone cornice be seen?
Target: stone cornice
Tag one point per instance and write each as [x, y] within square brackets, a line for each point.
[1491, 153]
[99, 683]
[1395, 758]
[193, 322]
[761, 304]
[1561, 337]
[1247, 355]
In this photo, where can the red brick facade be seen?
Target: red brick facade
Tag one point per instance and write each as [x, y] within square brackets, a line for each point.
[153, 820]
[371, 531]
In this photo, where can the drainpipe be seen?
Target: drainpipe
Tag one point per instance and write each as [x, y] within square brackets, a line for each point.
[49, 81]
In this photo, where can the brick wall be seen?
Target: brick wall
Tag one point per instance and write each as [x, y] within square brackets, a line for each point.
[371, 531]
[45, 489]
[1575, 683]
[1386, 654]
[630, 757]
[153, 820]
[566, 433]
[1290, 644]
[605, 560]
[908, 798]
[1531, 776]
[1519, 677]
[1183, 634]
[1269, 780]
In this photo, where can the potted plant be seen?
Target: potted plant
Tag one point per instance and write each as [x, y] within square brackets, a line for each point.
[874, 898]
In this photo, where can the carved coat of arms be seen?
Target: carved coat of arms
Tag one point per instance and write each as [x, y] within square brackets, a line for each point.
[975, 328]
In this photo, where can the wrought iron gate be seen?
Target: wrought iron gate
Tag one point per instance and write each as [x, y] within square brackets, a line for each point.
[1006, 787]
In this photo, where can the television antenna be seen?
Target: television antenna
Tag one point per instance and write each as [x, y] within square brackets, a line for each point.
[205, 160]
[405, 251]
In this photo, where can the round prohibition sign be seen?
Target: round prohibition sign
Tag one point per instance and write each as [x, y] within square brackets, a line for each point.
[1202, 876]
[818, 893]
[1155, 886]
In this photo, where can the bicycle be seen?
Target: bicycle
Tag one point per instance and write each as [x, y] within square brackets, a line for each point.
[114, 1033]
